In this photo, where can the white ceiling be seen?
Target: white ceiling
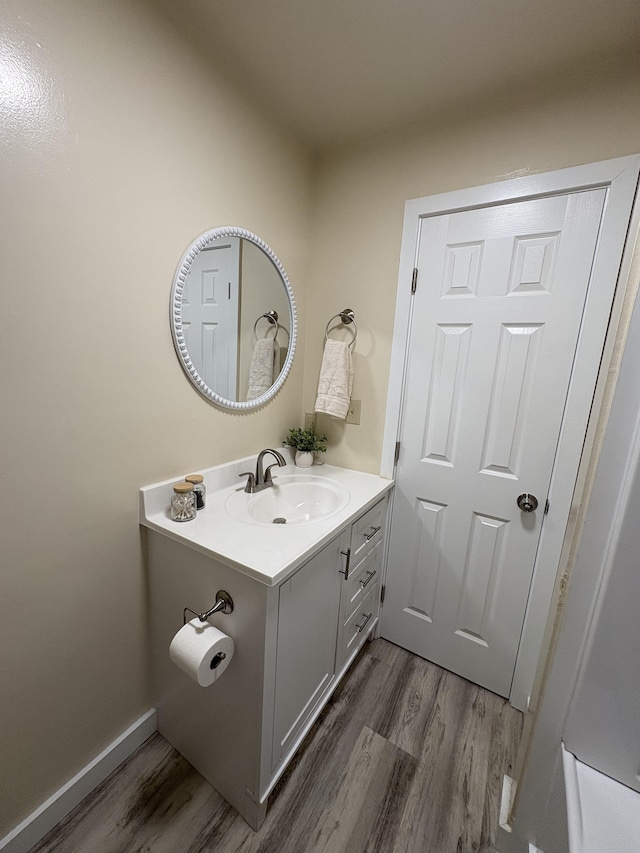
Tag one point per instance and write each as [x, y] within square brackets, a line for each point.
[337, 70]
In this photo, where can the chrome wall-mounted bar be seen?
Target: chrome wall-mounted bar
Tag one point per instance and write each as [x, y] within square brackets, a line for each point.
[347, 317]
[271, 317]
[224, 604]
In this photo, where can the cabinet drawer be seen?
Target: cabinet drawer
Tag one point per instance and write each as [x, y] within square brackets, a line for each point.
[366, 532]
[362, 579]
[358, 626]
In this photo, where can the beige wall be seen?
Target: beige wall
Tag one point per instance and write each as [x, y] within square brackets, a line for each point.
[361, 190]
[118, 146]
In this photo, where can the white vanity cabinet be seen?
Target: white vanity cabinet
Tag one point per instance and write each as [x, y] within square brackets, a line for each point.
[360, 597]
[356, 624]
[295, 634]
[308, 617]
[327, 610]
[366, 532]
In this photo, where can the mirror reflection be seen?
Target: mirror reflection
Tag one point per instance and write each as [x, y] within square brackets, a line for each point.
[233, 317]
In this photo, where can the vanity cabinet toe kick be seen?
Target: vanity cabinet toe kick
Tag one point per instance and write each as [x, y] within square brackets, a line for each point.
[294, 642]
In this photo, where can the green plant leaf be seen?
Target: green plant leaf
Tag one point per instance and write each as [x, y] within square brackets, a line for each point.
[306, 439]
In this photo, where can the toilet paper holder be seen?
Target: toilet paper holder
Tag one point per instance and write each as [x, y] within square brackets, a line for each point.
[224, 604]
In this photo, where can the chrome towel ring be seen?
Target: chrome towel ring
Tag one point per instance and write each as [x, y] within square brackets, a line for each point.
[347, 317]
[272, 319]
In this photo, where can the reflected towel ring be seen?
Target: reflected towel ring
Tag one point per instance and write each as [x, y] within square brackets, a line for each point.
[346, 317]
[272, 318]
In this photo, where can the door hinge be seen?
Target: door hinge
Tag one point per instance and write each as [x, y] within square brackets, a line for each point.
[546, 507]
[414, 280]
[396, 454]
[383, 589]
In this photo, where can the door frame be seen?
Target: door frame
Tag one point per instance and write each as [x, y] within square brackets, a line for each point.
[602, 310]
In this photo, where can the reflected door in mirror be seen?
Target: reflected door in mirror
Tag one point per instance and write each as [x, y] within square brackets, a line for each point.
[210, 314]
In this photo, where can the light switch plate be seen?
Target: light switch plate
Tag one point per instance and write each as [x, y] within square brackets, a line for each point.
[310, 420]
[353, 415]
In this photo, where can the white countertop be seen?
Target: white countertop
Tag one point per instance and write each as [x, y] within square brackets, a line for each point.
[266, 552]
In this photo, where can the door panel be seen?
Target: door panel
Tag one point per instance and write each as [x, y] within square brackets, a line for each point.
[495, 325]
[210, 315]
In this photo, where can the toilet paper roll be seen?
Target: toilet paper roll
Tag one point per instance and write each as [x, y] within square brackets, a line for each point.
[201, 651]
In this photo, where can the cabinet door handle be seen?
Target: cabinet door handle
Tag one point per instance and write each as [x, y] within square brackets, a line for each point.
[371, 575]
[364, 624]
[346, 554]
[373, 530]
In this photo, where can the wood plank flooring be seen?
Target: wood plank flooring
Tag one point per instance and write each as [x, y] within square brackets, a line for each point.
[405, 758]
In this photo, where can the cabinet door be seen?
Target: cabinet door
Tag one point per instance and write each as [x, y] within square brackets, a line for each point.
[307, 630]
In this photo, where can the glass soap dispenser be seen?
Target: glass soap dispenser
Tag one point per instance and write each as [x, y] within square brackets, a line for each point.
[199, 488]
[183, 502]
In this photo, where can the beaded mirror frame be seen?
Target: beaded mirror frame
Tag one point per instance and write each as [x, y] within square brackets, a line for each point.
[177, 331]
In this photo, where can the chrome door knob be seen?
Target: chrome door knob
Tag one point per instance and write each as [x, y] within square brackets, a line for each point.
[527, 503]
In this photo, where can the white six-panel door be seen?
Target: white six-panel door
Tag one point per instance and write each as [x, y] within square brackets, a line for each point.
[496, 319]
[210, 315]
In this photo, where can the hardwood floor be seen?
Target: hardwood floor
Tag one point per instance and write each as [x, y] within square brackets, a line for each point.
[405, 758]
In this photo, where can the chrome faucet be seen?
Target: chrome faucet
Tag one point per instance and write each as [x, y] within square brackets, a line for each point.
[262, 478]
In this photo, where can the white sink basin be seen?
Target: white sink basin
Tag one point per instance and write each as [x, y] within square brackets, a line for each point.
[293, 499]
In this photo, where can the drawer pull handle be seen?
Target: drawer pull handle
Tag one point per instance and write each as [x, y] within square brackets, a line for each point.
[373, 530]
[364, 624]
[371, 576]
[346, 554]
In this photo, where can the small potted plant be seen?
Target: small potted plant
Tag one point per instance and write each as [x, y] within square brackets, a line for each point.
[306, 443]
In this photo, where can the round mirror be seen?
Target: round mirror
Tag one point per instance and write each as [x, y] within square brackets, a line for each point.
[233, 318]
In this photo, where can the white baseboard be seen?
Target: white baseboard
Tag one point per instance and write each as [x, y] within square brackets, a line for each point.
[509, 786]
[51, 812]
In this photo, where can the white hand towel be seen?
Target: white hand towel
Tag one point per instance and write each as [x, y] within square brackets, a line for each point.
[336, 380]
[261, 368]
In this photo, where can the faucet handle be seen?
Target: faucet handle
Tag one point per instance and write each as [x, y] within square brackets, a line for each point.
[251, 481]
[267, 473]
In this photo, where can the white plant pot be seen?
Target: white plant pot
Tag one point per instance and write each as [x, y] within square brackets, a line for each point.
[304, 458]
